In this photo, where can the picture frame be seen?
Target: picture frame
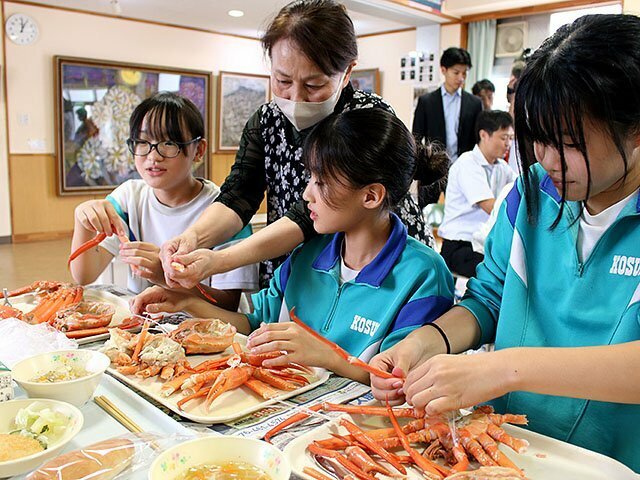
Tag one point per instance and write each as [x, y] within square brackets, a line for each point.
[239, 96]
[93, 102]
[367, 80]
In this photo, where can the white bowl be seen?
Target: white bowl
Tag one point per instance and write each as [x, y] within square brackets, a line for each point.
[171, 463]
[8, 411]
[76, 392]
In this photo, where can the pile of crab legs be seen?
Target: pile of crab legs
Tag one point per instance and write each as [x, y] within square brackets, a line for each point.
[477, 435]
[61, 305]
[146, 355]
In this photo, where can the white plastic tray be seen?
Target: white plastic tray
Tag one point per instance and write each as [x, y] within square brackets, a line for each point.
[27, 302]
[229, 406]
[545, 458]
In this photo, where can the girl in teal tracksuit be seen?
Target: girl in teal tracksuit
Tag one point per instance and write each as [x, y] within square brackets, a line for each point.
[559, 290]
[365, 287]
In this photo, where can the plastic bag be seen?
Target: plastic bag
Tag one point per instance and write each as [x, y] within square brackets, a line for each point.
[115, 458]
[20, 340]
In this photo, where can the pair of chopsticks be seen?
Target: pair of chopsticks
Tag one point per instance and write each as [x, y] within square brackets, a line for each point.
[109, 407]
[120, 417]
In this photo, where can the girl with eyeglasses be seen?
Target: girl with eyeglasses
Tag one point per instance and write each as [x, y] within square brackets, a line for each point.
[166, 140]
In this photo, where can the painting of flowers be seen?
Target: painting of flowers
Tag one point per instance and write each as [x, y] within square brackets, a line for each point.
[94, 100]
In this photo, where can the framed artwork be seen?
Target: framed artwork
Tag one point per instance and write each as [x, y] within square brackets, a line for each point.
[366, 80]
[239, 96]
[93, 102]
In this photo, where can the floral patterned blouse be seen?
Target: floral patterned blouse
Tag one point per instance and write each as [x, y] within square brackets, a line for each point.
[270, 158]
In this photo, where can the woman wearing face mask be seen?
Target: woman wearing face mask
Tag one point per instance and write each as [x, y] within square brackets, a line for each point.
[313, 49]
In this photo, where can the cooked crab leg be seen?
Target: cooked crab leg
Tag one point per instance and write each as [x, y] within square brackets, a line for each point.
[298, 417]
[427, 466]
[369, 410]
[88, 245]
[339, 350]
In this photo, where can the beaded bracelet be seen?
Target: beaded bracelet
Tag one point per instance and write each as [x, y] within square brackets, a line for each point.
[444, 335]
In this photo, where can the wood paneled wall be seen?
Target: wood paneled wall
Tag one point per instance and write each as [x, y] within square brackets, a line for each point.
[38, 213]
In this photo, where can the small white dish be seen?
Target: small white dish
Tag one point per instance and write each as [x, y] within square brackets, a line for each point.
[172, 463]
[76, 392]
[8, 412]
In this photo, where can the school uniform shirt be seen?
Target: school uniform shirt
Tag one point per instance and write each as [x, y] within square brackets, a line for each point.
[471, 180]
[148, 220]
[532, 290]
[404, 287]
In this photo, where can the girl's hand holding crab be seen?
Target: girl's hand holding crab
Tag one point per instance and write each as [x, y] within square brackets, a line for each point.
[301, 347]
[450, 382]
[144, 257]
[158, 299]
[99, 216]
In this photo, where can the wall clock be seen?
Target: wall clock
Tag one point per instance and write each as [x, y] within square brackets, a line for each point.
[21, 29]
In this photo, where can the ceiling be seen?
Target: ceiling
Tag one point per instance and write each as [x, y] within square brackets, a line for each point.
[369, 16]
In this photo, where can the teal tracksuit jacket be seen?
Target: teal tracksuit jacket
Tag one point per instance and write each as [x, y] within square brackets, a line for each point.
[405, 286]
[533, 291]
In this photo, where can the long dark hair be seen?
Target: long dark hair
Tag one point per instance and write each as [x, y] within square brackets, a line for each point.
[169, 116]
[589, 69]
[370, 145]
[321, 29]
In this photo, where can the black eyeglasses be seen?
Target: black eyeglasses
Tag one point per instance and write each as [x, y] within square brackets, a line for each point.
[167, 149]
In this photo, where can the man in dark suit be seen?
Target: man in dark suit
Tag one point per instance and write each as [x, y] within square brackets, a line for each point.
[448, 115]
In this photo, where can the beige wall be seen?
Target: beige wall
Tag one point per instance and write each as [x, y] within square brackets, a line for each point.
[38, 211]
[30, 169]
[631, 6]
[5, 211]
[449, 36]
[384, 52]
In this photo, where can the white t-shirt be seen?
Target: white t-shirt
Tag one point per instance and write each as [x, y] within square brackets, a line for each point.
[153, 222]
[592, 227]
[471, 180]
[346, 273]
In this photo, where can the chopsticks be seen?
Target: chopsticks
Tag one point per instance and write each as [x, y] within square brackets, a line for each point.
[108, 406]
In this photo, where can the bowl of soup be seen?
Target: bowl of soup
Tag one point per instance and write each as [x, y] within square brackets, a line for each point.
[221, 458]
[66, 375]
[33, 431]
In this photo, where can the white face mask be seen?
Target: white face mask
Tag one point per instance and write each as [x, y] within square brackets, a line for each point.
[306, 114]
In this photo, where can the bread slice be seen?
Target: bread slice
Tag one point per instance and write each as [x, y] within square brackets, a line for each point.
[100, 461]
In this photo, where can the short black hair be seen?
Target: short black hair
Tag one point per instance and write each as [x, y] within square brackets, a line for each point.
[370, 145]
[484, 84]
[491, 121]
[170, 116]
[455, 56]
[517, 68]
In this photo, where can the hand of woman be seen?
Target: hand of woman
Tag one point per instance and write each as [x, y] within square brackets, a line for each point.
[144, 257]
[187, 242]
[451, 382]
[301, 347]
[189, 269]
[157, 299]
[398, 360]
[99, 216]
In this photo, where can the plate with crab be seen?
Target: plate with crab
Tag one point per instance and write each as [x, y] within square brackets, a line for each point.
[202, 371]
[82, 313]
[508, 452]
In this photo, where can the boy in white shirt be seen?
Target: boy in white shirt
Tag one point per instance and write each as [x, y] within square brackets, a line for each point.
[475, 180]
[167, 138]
